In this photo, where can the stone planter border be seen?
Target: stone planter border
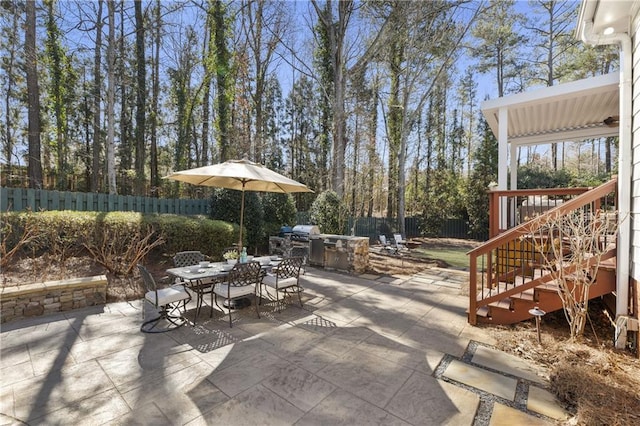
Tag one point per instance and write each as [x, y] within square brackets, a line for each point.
[48, 297]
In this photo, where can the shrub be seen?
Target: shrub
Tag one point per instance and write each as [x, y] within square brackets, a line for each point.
[329, 213]
[120, 240]
[279, 210]
[194, 233]
[58, 233]
[117, 240]
[225, 205]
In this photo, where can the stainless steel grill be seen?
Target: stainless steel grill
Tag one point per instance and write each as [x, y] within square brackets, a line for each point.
[304, 232]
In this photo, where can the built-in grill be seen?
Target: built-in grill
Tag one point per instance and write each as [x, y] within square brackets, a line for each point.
[293, 241]
[304, 232]
[336, 252]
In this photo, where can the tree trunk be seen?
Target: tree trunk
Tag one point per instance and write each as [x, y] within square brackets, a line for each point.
[208, 69]
[223, 68]
[10, 69]
[394, 120]
[34, 165]
[125, 150]
[97, 93]
[56, 89]
[336, 32]
[153, 148]
[345, 8]
[141, 98]
[111, 89]
[371, 148]
[607, 162]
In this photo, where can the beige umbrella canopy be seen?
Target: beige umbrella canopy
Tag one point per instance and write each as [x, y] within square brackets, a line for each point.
[242, 175]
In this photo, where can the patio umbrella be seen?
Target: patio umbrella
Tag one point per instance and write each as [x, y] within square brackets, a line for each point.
[241, 175]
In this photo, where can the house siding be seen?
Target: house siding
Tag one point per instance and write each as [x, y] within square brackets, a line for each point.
[635, 140]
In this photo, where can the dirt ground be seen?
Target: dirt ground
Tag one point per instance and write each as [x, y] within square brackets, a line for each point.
[597, 383]
[384, 262]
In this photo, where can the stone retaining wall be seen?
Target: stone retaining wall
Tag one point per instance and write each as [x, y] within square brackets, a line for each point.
[37, 299]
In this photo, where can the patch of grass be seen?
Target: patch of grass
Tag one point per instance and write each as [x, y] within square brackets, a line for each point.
[453, 256]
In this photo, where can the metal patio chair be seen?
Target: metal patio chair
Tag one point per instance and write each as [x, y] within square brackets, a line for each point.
[241, 283]
[167, 300]
[284, 278]
[199, 287]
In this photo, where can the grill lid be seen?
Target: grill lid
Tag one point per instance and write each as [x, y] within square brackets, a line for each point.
[306, 230]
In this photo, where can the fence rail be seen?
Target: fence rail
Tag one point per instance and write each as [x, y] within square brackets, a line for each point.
[18, 199]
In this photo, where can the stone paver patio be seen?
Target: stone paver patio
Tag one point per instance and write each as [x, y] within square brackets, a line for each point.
[363, 350]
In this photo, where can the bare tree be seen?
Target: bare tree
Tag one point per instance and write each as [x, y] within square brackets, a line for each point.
[572, 246]
[264, 27]
[549, 24]
[418, 46]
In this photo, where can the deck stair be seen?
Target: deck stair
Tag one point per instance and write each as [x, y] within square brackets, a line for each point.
[515, 308]
[508, 276]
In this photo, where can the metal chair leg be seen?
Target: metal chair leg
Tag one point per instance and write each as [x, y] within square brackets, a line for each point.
[299, 290]
[257, 310]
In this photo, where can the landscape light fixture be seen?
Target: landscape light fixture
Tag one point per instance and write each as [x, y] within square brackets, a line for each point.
[538, 313]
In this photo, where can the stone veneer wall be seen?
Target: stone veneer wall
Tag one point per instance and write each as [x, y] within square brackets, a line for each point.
[359, 254]
[37, 299]
[355, 249]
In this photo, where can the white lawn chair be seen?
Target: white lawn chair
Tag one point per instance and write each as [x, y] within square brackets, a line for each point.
[386, 245]
[400, 243]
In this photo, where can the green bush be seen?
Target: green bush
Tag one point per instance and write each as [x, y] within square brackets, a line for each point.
[329, 213]
[535, 176]
[194, 233]
[279, 210]
[116, 239]
[225, 205]
[55, 232]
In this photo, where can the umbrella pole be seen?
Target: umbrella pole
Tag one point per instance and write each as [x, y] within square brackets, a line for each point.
[241, 219]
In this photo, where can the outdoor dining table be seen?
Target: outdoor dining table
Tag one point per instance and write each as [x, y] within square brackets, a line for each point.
[197, 277]
[196, 273]
[204, 276]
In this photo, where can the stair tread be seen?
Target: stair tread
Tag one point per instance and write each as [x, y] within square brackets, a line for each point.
[502, 304]
[550, 285]
[502, 287]
[609, 264]
[483, 311]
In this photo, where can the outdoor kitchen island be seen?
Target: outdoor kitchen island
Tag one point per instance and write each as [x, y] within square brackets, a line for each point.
[339, 252]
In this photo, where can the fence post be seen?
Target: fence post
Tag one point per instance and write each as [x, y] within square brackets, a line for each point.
[4, 199]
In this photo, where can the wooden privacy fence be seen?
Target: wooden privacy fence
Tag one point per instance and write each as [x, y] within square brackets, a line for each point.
[18, 199]
[373, 227]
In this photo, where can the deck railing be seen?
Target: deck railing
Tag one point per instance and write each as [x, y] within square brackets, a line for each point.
[505, 264]
[509, 208]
